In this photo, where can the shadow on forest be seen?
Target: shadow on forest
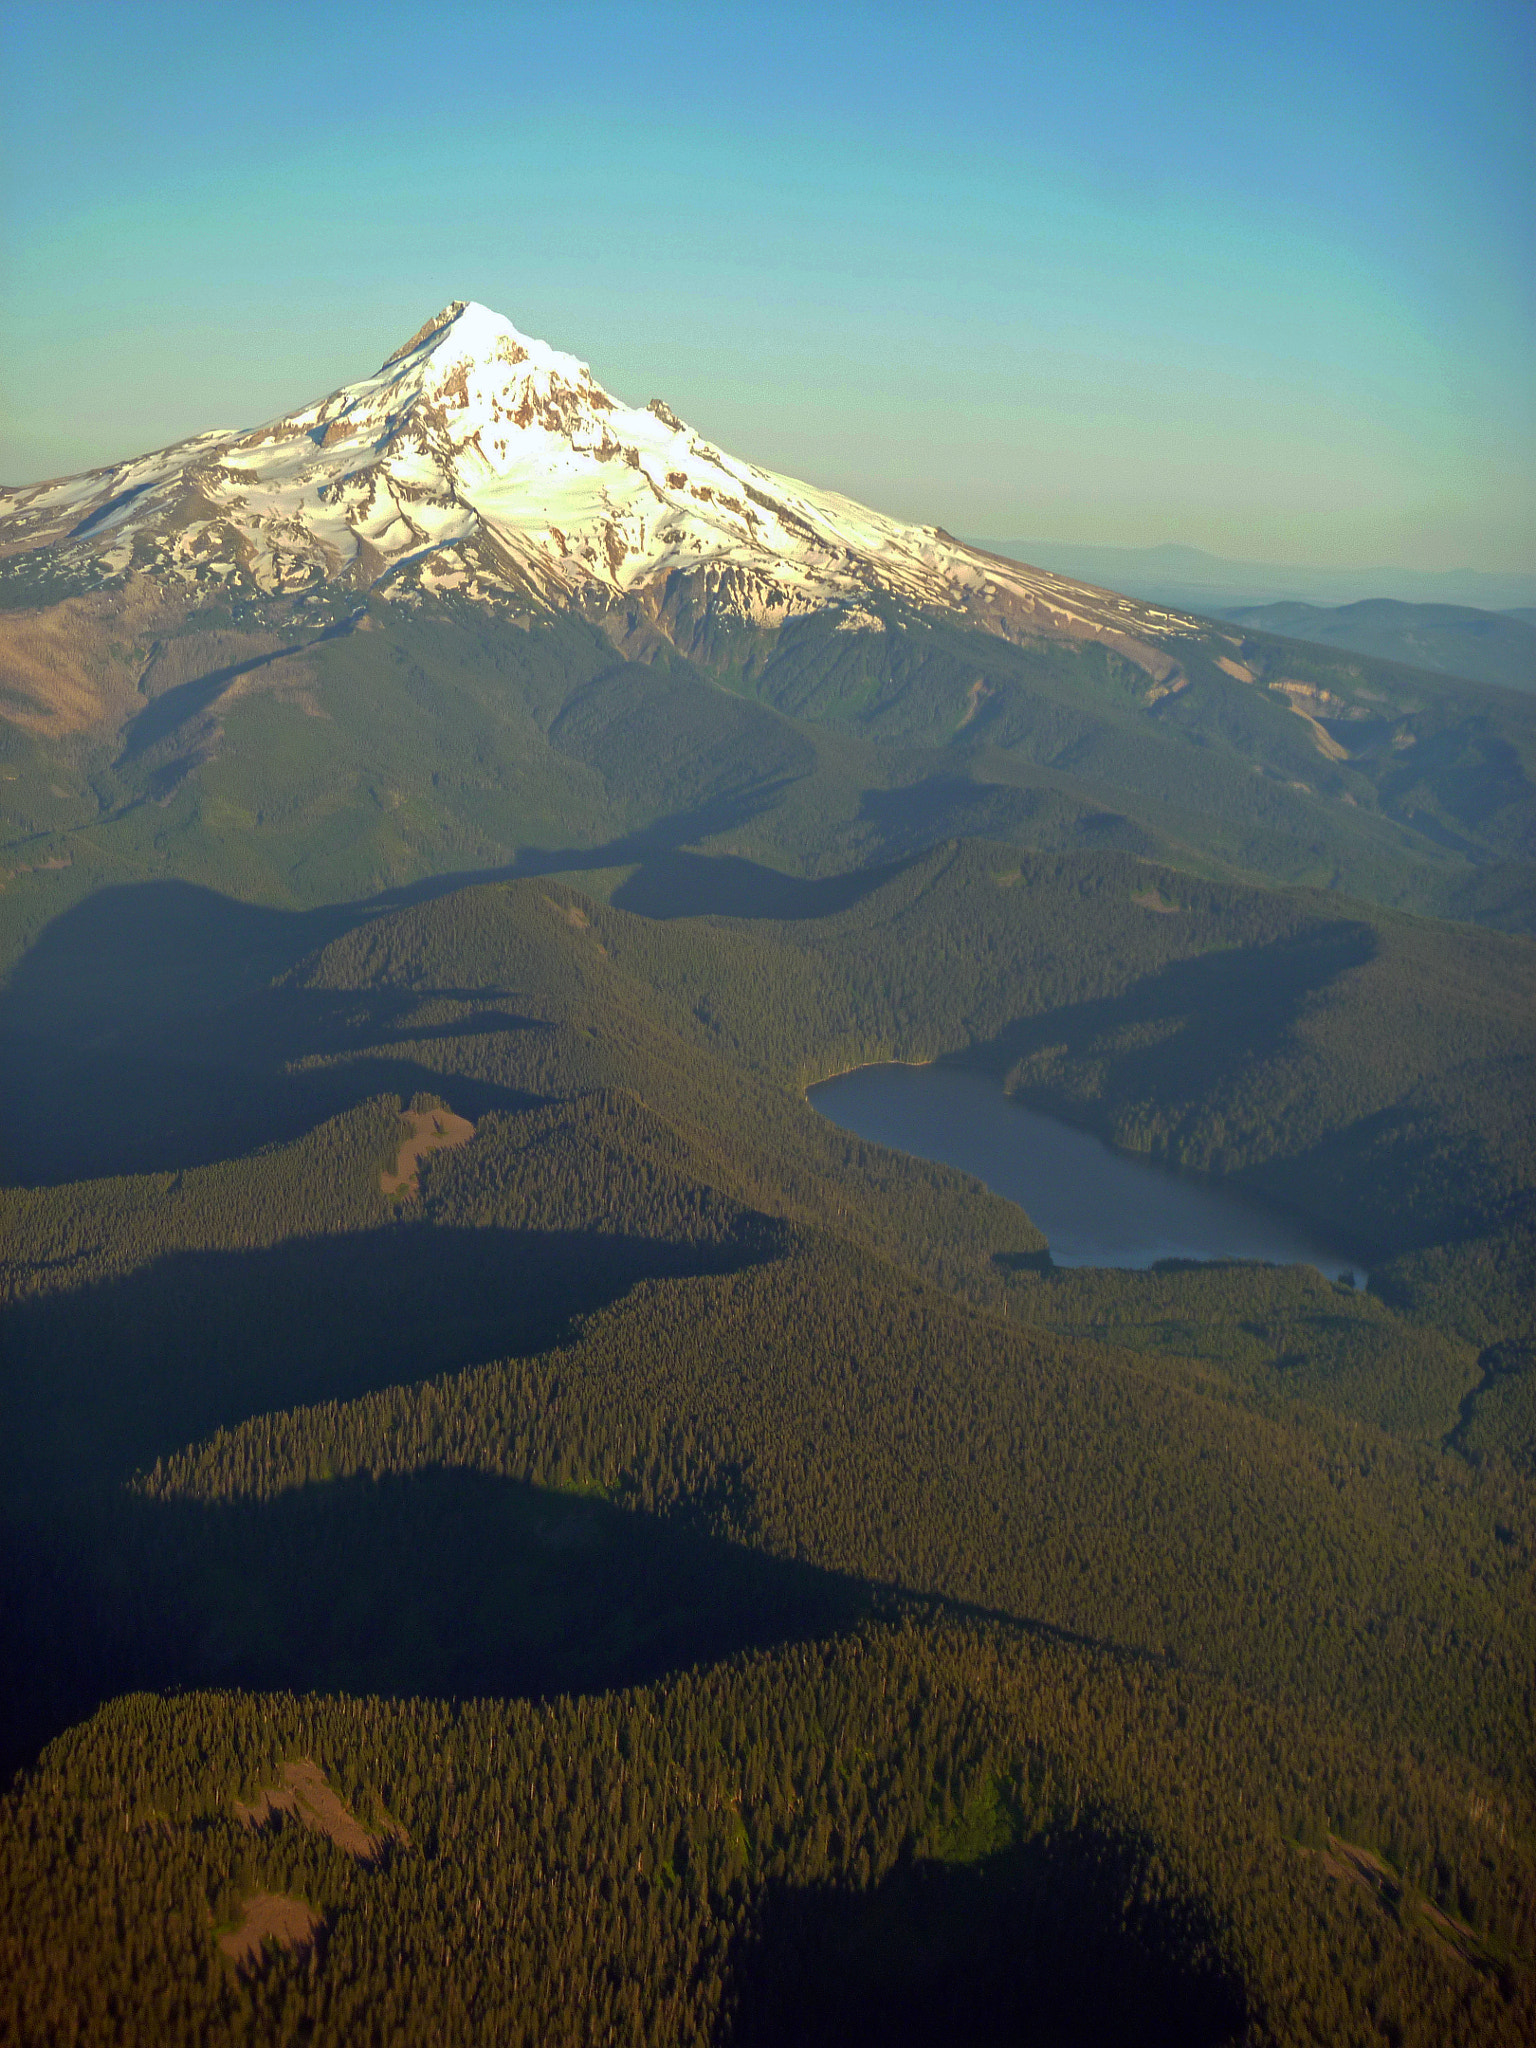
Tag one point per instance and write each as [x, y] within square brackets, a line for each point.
[264, 1071]
[101, 1380]
[947, 806]
[142, 1031]
[680, 884]
[138, 953]
[1029, 1944]
[163, 718]
[913, 816]
[1174, 1036]
[443, 1581]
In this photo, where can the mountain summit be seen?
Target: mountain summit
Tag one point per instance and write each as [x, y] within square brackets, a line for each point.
[478, 460]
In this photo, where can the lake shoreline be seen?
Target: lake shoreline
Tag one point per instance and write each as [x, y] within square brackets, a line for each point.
[1095, 1203]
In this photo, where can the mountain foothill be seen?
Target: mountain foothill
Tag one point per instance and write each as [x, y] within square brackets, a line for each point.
[518, 1529]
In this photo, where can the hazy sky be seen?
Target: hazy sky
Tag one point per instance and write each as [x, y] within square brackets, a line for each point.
[1256, 278]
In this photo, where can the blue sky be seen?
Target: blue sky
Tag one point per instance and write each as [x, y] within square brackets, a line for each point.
[1254, 278]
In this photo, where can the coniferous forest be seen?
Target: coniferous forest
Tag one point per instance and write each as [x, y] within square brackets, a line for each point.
[516, 1529]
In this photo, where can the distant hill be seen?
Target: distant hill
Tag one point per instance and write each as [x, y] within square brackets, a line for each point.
[1456, 640]
[1189, 577]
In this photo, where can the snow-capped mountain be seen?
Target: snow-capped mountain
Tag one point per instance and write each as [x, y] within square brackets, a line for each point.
[481, 461]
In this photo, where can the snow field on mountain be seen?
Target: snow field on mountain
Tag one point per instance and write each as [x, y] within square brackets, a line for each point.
[478, 439]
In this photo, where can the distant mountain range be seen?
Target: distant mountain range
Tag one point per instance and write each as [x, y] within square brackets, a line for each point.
[1212, 585]
[1457, 640]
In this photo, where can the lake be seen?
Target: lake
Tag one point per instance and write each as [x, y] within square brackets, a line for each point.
[1097, 1207]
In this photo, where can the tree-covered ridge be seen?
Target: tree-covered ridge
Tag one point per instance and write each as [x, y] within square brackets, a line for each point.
[828, 1411]
[1281, 1337]
[638, 1118]
[767, 1386]
[1372, 1070]
[1452, 639]
[441, 743]
[919, 1826]
[660, 1372]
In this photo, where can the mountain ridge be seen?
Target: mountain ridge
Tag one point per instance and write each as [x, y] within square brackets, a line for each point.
[1450, 639]
[1173, 572]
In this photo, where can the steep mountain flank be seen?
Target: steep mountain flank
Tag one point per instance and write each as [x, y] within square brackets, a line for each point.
[479, 460]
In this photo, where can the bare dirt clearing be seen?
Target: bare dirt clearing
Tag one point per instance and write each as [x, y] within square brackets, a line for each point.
[975, 697]
[305, 1794]
[431, 1130]
[269, 1917]
[1310, 704]
[1349, 1863]
[74, 666]
[1357, 1866]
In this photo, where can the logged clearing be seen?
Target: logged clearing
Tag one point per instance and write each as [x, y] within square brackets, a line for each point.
[305, 1794]
[431, 1130]
[269, 1917]
[1458, 1938]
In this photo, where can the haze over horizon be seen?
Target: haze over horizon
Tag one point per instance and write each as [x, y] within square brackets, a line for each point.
[1254, 285]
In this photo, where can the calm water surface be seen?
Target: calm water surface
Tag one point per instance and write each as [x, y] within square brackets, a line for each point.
[1096, 1207]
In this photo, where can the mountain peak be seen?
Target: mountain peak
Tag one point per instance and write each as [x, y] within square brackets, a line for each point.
[425, 332]
[479, 460]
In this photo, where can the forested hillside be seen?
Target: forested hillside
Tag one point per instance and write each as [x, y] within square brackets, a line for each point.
[303, 757]
[1454, 639]
[732, 1585]
[517, 1528]
[933, 1830]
